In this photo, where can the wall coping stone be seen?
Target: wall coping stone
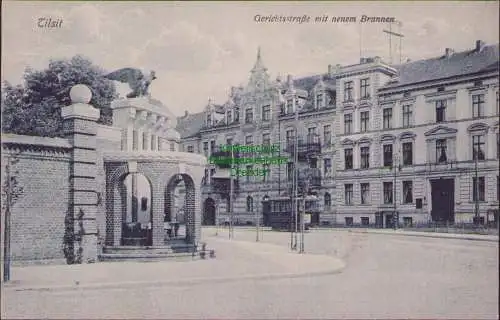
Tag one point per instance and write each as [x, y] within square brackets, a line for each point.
[8, 138]
[166, 156]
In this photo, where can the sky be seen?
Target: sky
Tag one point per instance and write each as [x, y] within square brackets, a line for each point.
[200, 49]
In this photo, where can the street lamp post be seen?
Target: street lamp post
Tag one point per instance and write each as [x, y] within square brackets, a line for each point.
[257, 225]
[216, 219]
[476, 188]
[296, 175]
[231, 187]
[395, 215]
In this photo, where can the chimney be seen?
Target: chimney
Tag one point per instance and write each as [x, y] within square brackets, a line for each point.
[362, 60]
[289, 80]
[337, 68]
[448, 52]
[480, 45]
[186, 113]
[330, 69]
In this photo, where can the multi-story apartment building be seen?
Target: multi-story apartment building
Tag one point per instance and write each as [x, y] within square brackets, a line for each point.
[420, 139]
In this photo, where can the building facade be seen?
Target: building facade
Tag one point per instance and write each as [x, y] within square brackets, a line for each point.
[418, 139]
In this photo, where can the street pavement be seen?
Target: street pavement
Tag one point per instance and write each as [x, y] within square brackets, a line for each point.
[385, 276]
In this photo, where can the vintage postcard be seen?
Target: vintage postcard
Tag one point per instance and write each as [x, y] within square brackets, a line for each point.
[250, 160]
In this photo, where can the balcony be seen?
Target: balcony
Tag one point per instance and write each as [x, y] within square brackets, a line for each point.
[310, 146]
[221, 183]
[310, 177]
[220, 154]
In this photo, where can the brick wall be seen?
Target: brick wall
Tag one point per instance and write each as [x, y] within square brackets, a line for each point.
[37, 218]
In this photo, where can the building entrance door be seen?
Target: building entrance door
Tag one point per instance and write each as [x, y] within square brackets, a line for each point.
[443, 200]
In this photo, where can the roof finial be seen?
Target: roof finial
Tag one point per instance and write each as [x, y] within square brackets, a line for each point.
[258, 64]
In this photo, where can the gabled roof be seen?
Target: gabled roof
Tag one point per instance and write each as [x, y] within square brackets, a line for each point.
[308, 83]
[457, 64]
[190, 124]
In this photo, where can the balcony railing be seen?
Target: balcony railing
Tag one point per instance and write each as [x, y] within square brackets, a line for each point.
[308, 146]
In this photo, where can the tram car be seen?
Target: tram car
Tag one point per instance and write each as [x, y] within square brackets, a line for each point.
[278, 214]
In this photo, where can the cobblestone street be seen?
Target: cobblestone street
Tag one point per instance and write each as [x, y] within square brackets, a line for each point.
[386, 276]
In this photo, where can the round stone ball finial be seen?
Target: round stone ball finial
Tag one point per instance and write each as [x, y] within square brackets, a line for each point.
[80, 93]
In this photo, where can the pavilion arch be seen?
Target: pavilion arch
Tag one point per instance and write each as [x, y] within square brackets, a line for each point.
[192, 220]
[116, 202]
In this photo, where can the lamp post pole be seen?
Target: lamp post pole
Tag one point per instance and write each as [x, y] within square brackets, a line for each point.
[216, 219]
[231, 187]
[476, 188]
[296, 174]
[257, 225]
[6, 255]
[395, 215]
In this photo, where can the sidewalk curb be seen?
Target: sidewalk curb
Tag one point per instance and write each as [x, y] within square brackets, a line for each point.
[439, 236]
[191, 281]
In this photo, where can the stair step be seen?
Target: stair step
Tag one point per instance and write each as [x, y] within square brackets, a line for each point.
[148, 257]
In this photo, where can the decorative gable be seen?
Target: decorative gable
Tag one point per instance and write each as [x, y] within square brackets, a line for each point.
[365, 140]
[440, 130]
[478, 127]
[387, 138]
[347, 142]
[407, 135]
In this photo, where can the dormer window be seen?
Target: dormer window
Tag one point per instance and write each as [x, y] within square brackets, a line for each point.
[209, 120]
[319, 100]
[236, 115]
[229, 117]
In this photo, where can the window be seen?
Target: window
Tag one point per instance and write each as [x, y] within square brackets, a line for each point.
[327, 166]
[229, 117]
[319, 100]
[498, 188]
[289, 106]
[249, 204]
[190, 149]
[365, 193]
[327, 133]
[407, 116]
[289, 171]
[349, 221]
[205, 148]
[407, 191]
[158, 143]
[266, 113]
[365, 221]
[249, 115]
[135, 140]
[266, 139]
[248, 140]
[236, 115]
[229, 141]
[348, 158]
[387, 192]
[348, 91]
[267, 172]
[407, 221]
[478, 105]
[498, 103]
[478, 147]
[440, 111]
[478, 189]
[144, 204]
[172, 146]
[365, 157]
[347, 123]
[153, 142]
[209, 120]
[387, 155]
[249, 172]
[205, 177]
[212, 146]
[144, 141]
[498, 145]
[312, 135]
[441, 151]
[328, 200]
[348, 194]
[290, 137]
[365, 118]
[407, 153]
[387, 115]
[365, 88]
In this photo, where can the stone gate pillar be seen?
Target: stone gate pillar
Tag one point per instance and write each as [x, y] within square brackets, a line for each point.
[79, 125]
